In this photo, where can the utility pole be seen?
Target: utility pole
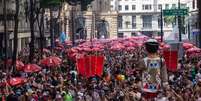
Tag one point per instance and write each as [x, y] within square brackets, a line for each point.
[5, 33]
[51, 29]
[179, 22]
[199, 12]
[72, 25]
[161, 24]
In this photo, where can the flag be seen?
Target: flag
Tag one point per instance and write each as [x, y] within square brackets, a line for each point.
[171, 58]
[90, 66]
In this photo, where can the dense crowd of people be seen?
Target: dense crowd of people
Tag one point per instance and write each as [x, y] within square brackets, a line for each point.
[65, 84]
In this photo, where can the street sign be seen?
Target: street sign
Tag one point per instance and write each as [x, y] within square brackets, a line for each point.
[173, 12]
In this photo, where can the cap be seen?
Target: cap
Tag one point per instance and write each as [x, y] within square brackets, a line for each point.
[152, 41]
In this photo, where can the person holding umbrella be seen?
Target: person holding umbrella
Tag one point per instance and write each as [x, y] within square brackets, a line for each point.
[153, 71]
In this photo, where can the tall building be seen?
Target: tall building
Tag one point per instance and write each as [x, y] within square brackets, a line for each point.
[23, 26]
[143, 16]
[193, 22]
[100, 21]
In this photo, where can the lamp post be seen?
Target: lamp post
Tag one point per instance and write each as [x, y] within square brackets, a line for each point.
[179, 22]
[5, 33]
[161, 23]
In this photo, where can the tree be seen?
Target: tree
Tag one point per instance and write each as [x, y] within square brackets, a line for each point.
[5, 32]
[15, 33]
[32, 22]
[84, 3]
[51, 4]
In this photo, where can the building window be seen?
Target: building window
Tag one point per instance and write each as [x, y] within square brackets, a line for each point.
[127, 23]
[120, 35]
[166, 6]
[146, 7]
[193, 3]
[120, 20]
[111, 6]
[126, 7]
[174, 6]
[133, 34]
[119, 7]
[183, 5]
[133, 7]
[134, 21]
[159, 6]
[147, 21]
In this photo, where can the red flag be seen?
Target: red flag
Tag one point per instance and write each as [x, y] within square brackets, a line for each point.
[171, 58]
[90, 65]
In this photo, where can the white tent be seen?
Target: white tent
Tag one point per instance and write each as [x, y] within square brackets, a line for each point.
[174, 36]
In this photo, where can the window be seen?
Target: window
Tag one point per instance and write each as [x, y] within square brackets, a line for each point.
[126, 7]
[193, 3]
[159, 6]
[146, 7]
[119, 7]
[127, 23]
[133, 7]
[174, 6]
[120, 21]
[147, 21]
[120, 35]
[133, 34]
[183, 5]
[134, 21]
[166, 6]
[111, 6]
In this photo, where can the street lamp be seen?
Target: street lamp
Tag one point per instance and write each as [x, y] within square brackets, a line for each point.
[179, 22]
[161, 23]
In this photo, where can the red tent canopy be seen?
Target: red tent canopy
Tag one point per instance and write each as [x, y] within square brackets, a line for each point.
[19, 64]
[16, 81]
[187, 46]
[51, 61]
[31, 68]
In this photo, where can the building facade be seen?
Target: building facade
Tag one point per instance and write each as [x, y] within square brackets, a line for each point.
[143, 16]
[193, 22]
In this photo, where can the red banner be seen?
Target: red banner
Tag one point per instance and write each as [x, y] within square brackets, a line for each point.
[171, 58]
[90, 65]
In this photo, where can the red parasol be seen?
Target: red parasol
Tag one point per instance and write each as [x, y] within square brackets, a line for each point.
[51, 61]
[46, 50]
[187, 46]
[31, 68]
[16, 81]
[166, 46]
[194, 50]
[19, 64]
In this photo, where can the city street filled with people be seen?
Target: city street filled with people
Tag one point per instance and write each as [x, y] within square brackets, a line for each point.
[55, 74]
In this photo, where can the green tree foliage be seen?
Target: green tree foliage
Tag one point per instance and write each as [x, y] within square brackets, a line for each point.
[84, 3]
[169, 19]
[48, 3]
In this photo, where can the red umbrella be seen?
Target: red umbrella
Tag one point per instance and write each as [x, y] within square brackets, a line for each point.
[187, 45]
[19, 64]
[16, 81]
[130, 48]
[194, 50]
[51, 61]
[46, 50]
[166, 46]
[31, 68]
